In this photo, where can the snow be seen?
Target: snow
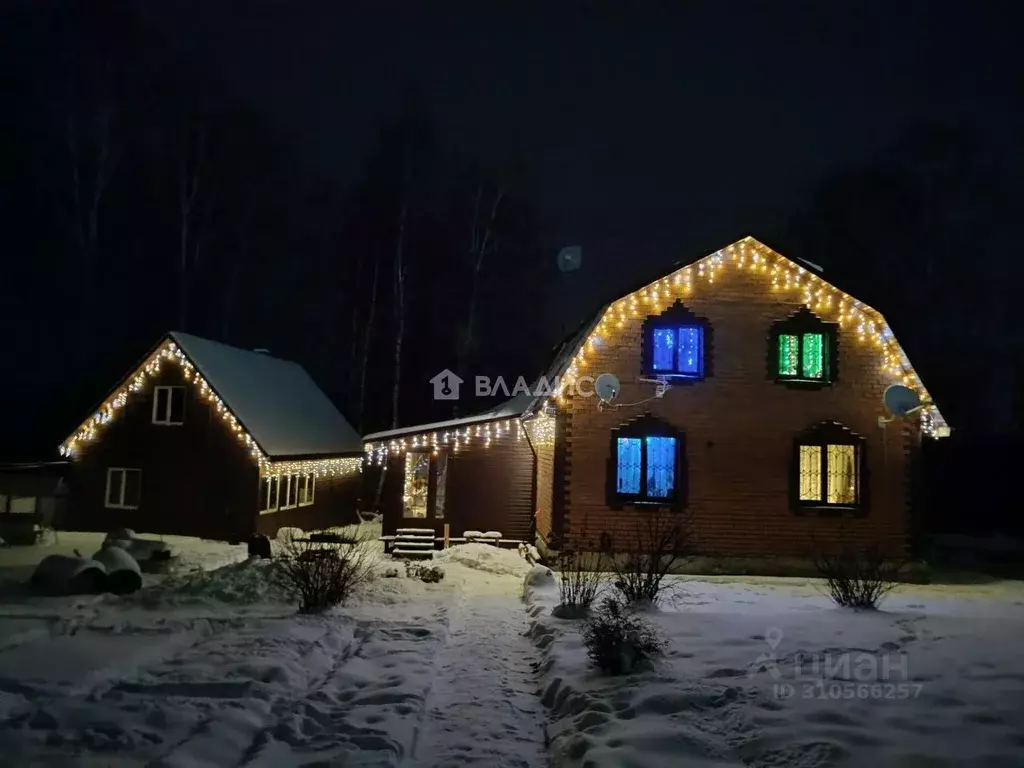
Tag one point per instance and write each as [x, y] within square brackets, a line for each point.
[209, 665]
[767, 672]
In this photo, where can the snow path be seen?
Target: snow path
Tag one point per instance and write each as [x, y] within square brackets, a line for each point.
[483, 707]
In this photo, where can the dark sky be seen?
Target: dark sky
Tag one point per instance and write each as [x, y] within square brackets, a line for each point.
[650, 130]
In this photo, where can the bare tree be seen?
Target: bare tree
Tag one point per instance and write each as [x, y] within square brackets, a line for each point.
[93, 154]
[192, 213]
[482, 241]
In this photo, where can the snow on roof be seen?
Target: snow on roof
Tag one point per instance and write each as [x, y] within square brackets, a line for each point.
[276, 400]
[510, 409]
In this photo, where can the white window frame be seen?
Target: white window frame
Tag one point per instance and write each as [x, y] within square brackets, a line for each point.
[164, 419]
[273, 488]
[124, 484]
[287, 492]
[309, 482]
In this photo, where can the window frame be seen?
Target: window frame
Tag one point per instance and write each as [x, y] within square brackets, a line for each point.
[124, 486]
[802, 322]
[273, 487]
[430, 483]
[165, 421]
[642, 427]
[823, 435]
[674, 317]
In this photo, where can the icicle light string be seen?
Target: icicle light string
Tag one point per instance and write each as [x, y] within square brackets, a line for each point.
[169, 352]
[785, 277]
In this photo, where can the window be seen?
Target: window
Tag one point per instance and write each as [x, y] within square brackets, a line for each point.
[416, 484]
[124, 488]
[269, 489]
[646, 464]
[440, 484]
[305, 484]
[803, 350]
[675, 344]
[169, 405]
[829, 468]
[21, 505]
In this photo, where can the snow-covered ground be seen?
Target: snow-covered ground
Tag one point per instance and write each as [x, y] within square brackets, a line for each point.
[767, 672]
[209, 665]
[214, 668]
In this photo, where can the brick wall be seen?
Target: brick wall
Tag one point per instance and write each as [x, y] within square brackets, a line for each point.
[739, 427]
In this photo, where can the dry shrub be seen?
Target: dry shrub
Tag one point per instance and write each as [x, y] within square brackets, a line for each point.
[857, 577]
[320, 573]
[579, 565]
[618, 639]
[660, 543]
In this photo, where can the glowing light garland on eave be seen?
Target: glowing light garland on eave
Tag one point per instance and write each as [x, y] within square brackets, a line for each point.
[750, 256]
[482, 434]
[170, 352]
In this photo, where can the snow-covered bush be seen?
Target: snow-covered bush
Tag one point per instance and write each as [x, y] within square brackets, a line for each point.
[429, 574]
[391, 573]
[618, 639]
[857, 577]
[321, 575]
[658, 544]
[579, 579]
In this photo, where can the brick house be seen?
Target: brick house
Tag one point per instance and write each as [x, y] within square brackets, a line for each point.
[750, 397]
[204, 439]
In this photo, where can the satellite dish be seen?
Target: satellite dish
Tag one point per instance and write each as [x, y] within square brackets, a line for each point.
[607, 387]
[900, 400]
[570, 258]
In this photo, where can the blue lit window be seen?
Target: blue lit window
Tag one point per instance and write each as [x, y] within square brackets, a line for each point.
[646, 466]
[678, 350]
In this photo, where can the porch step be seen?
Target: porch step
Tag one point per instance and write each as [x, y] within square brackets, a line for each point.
[426, 554]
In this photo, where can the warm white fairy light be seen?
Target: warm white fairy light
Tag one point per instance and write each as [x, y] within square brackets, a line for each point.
[784, 276]
[483, 434]
[169, 352]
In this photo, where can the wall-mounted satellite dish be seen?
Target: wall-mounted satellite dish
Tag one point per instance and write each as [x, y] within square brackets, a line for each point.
[901, 401]
[570, 258]
[607, 387]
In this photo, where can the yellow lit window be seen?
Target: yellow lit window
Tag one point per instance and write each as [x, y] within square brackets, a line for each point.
[810, 473]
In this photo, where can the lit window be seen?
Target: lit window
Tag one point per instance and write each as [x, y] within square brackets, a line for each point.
[416, 484]
[829, 467]
[645, 463]
[674, 344]
[21, 505]
[124, 488]
[803, 350]
[679, 350]
[169, 405]
[269, 489]
[440, 484]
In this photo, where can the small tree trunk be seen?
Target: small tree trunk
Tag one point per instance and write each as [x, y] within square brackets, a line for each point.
[367, 335]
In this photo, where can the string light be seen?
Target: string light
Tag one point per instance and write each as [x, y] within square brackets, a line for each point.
[377, 452]
[169, 352]
[749, 255]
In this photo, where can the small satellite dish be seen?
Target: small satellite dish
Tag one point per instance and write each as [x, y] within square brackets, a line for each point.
[607, 387]
[900, 400]
[570, 258]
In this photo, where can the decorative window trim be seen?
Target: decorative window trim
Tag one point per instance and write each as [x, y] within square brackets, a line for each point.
[823, 435]
[797, 324]
[123, 472]
[676, 315]
[643, 426]
[164, 419]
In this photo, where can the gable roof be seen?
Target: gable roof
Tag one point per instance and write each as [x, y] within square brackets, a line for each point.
[273, 404]
[283, 409]
[785, 275]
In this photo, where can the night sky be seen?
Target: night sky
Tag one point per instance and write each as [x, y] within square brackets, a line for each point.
[650, 131]
[647, 133]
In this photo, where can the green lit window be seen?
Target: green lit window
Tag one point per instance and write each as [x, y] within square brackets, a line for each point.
[803, 350]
